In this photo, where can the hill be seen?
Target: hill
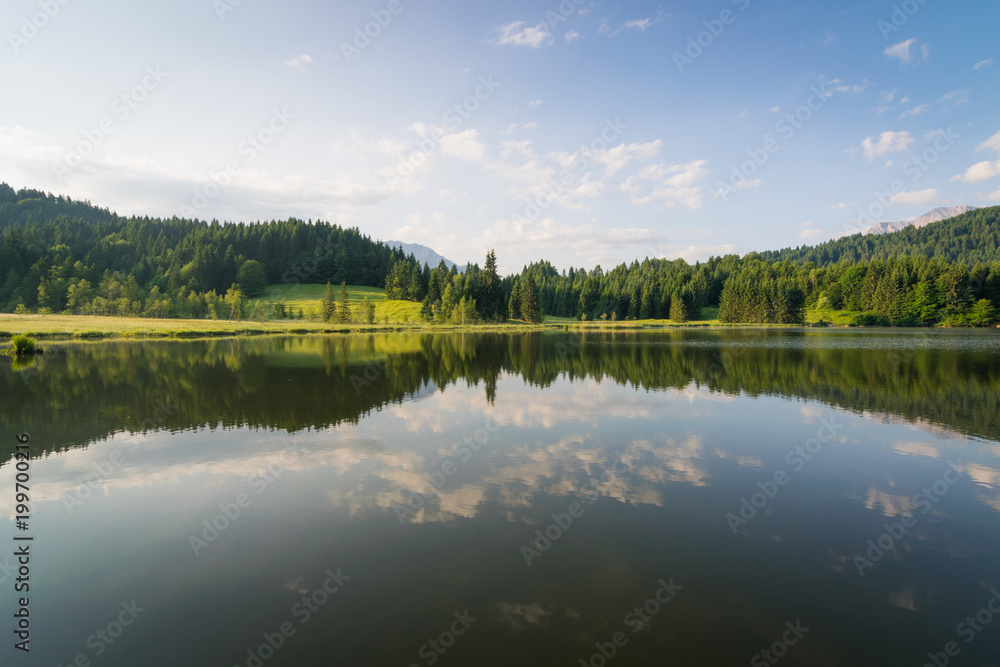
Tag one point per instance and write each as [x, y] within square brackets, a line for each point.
[64, 255]
[938, 214]
[971, 238]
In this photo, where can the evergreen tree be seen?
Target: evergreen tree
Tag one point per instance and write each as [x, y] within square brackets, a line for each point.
[678, 311]
[329, 305]
[343, 305]
[530, 308]
[514, 305]
[490, 298]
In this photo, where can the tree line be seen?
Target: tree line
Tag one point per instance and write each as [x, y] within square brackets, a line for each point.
[60, 255]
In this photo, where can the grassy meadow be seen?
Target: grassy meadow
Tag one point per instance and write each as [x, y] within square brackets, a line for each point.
[389, 315]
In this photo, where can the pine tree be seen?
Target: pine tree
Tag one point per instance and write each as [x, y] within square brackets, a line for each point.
[530, 307]
[343, 307]
[329, 306]
[678, 311]
[514, 305]
[490, 298]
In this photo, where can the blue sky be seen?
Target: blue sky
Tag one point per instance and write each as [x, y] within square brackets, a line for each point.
[580, 132]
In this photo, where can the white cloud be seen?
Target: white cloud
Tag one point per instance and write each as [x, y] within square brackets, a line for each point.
[983, 63]
[299, 62]
[810, 231]
[957, 97]
[641, 24]
[905, 100]
[775, 109]
[981, 171]
[841, 206]
[915, 111]
[993, 144]
[830, 39]
[515, 35]
[571, 35]
[901, 50]
[921, 197]
[674, 184]
[534, 103]
[888, 142]
[464, 145]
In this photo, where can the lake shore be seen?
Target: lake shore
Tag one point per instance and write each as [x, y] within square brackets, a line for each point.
[98, 327]
[55, 327]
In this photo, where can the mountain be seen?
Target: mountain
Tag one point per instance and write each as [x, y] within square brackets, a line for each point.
[973, 236]
[937, 215]
[423, 254]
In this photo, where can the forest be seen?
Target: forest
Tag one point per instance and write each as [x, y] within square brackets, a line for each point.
[60, 255]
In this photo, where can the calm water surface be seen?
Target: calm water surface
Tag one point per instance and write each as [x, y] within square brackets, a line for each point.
[688, 498]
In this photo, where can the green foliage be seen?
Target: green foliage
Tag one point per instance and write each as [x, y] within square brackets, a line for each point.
[972, 237]
[531, 310]
[678, 311]
[24, 345]
[71, 256]
[343, 305]
[251, 278]
[368, 308]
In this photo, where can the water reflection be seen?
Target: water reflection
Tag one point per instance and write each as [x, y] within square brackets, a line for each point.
[425, 466]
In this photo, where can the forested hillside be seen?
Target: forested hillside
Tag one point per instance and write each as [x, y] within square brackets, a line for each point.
[945, 273]
[62, 255]
[972, 237]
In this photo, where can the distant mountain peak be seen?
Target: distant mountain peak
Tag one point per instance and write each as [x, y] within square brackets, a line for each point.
[423, 254]
[937, 215]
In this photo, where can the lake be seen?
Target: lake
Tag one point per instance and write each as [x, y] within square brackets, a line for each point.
[688, 497]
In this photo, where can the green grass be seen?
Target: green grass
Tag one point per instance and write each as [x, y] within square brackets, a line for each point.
[309, 298]
[401, 315]
[839, 317]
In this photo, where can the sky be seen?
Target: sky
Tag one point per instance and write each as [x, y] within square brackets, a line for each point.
[577, 131]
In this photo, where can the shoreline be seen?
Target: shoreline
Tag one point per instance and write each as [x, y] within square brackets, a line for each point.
[76, 327]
